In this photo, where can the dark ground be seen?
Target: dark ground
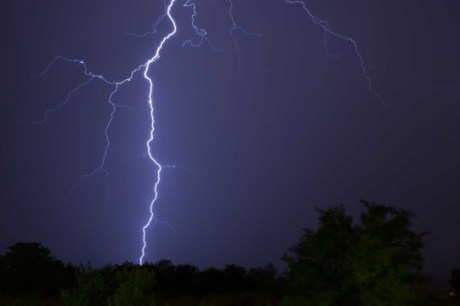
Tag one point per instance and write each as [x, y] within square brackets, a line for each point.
[239, 299]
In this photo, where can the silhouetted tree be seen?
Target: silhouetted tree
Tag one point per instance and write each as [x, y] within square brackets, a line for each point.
[28, 272]
[376, 262]
[28, 269]
[455, 281]
[165, 277]
[262, 278]
[187, 279]
[235, 277]
[213, 280]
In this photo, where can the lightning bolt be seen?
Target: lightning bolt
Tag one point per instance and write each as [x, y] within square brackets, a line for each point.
[152, 130]
[144, 69]
[324, 25]
[154, 27]
[235, 27]
[114, 107]
[200, 32]
[101, 168]
[91, 76]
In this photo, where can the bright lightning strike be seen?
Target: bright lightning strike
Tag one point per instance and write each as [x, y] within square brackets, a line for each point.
[144, 68]
[149, 141]
[198, 41]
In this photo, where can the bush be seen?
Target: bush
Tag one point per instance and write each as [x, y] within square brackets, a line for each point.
[374, 263]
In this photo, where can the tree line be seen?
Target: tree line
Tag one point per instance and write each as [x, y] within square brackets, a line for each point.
[373, 262]
[29, 270]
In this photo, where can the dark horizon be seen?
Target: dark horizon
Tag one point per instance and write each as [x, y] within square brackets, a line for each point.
[251, 138]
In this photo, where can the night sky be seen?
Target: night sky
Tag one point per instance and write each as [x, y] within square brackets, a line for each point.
[259, 139]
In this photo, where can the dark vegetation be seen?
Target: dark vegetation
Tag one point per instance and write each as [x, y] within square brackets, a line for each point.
[28, 272]
[374, 262]
[455, 281]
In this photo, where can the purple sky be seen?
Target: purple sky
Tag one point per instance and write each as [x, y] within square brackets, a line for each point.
[256, 148]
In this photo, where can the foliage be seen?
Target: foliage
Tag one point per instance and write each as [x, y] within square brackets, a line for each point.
[186, 279]
[29, 270]
[112, 285]
[263, 278]
[31, 267]
[93, 287]
[134, 287]
[374, 263]
[173, 285]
